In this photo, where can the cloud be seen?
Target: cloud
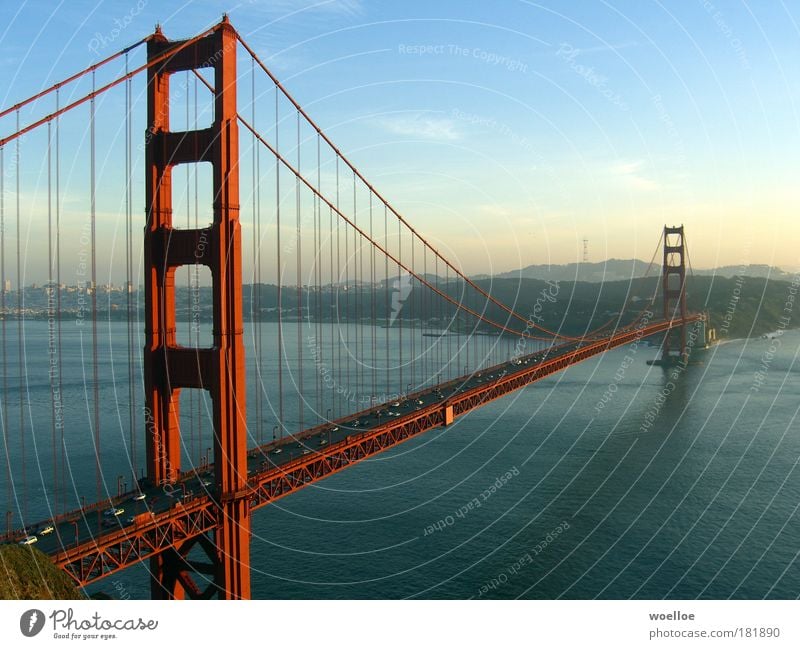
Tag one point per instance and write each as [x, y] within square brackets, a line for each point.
[630, 174]
[422, 125]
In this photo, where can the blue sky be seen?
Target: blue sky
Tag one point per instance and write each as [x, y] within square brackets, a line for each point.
[508, 131]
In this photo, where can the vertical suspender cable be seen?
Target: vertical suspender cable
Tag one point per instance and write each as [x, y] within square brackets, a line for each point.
[191, 307]
[299, 260]
[129, 276]
[3, 348]
[338, 284]
[62, 443]
[318, 278]
[475, 340]
[255, 288]
[450, 322]
[412, 333]
[51, 317]
[439, 337]
[330, 296]
[348, 322]
[95, 369]
[467, 330]
[357, 259]
[358, 254]
[426, 314]
[20, 323]
[398, 315]
[372, 307]
[259, 303]
[196, 294]
[278, 267]
[386, 307]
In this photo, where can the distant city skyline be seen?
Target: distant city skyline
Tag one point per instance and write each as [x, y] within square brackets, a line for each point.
[506, 133]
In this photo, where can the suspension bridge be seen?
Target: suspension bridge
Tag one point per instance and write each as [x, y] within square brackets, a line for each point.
[365, 336]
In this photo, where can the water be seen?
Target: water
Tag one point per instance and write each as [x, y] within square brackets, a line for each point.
[673, 487]
[702, 504]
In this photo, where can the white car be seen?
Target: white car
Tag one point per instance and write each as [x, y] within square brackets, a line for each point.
[114, 511]
[139, 497]
[28, 540]
[277, 451]
[47, 529]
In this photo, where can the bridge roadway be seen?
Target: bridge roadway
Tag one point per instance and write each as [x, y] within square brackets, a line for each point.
[92, 544]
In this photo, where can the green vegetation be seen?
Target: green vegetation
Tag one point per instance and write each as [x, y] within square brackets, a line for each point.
[738, 307]
[28, 573]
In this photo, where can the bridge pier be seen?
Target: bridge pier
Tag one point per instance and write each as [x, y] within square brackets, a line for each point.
[169, 367]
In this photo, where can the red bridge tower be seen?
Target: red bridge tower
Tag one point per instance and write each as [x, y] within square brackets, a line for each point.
[673, 287]
[220, 369]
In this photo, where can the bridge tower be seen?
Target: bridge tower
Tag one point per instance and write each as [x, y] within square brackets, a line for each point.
[169, 367]
[673, 279]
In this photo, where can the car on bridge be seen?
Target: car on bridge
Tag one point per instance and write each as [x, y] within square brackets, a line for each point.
[47, 528]
[29, 540]
[114, 511]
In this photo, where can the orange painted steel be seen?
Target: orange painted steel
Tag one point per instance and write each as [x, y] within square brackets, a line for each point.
[219, 369]
[74, 77]
[384, 250]
[674, 268]
[96, 93]
[397, 214]
[153, 536]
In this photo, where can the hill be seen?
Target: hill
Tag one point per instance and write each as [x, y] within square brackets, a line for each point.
[30, 574]
[746, 306]
[613, 270]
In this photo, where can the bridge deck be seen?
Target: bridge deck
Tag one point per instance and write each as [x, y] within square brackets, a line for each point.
[90, 546]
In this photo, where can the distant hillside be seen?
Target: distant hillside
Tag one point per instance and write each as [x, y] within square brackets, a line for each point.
[753, 270]
[30, 574]
[605, 271]
[748, 305]
[613, 270]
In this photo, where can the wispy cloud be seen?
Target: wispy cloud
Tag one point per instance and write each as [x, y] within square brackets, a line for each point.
[631, 174]
[421, 125]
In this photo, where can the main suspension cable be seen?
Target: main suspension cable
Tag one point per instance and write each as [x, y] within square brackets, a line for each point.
[400, 218]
